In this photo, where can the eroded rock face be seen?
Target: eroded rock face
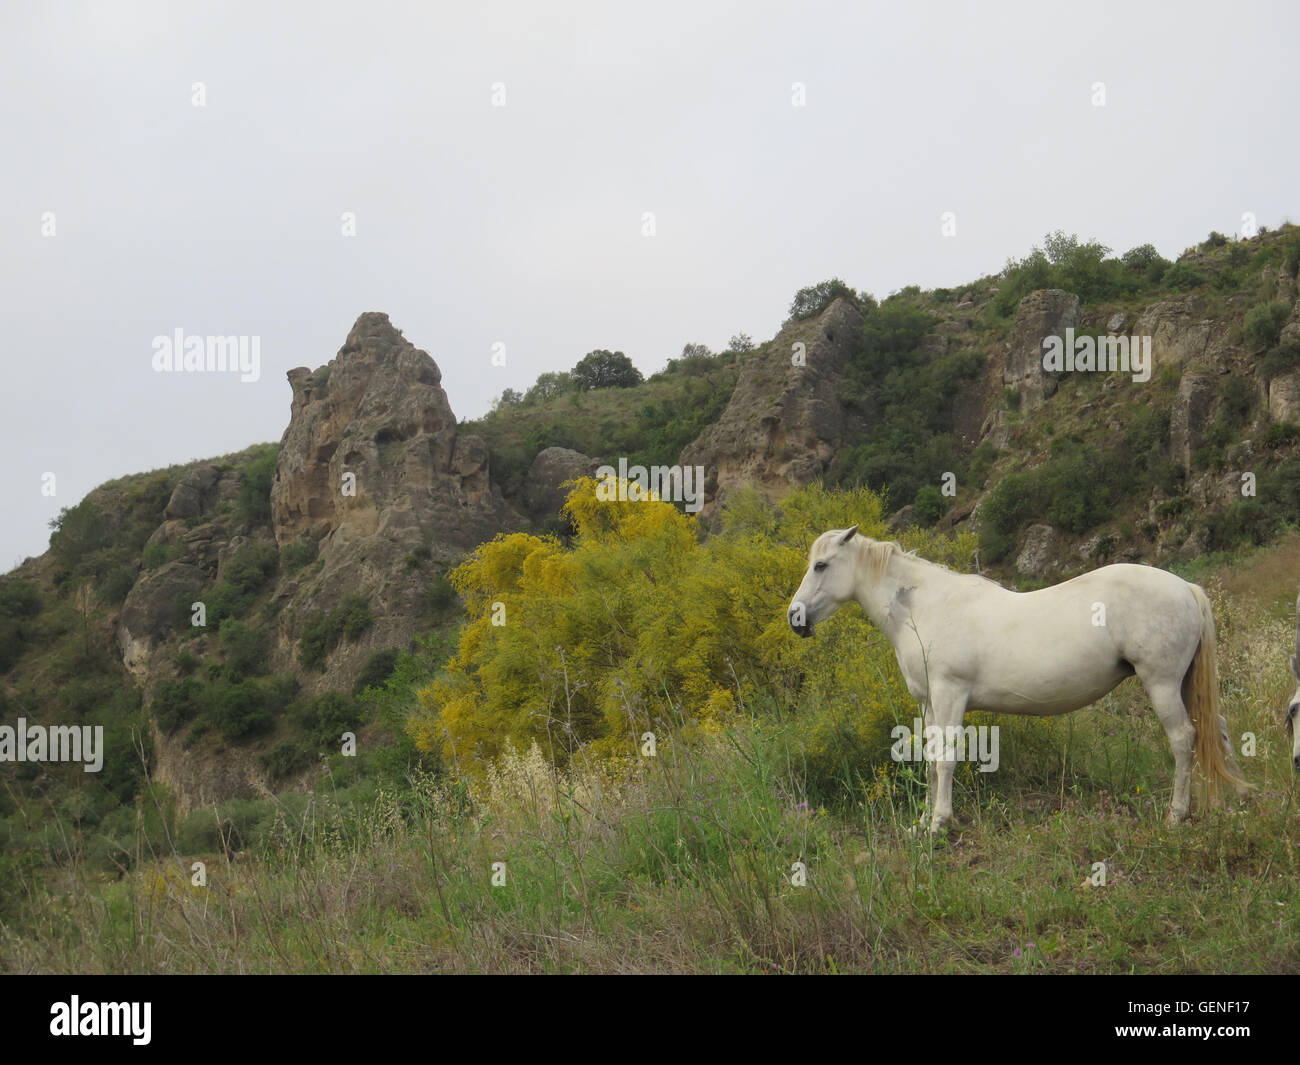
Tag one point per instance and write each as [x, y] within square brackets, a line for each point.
[1036, 553]
[379, 413]
[1284, 398]
[151, 611]
[1181, 336]
[784, 422]
[373, 470]
[1044, 313]
[1191, 415]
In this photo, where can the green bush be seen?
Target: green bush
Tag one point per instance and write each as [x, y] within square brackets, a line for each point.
[160, 554]
[1263, 325]
[245, 648]
[354, 616]
[19, 598]
[907, 400]
[295, 556]
[816, 298]
[1080, 487]
[378, 668]
[1281, 434]
[324, 718]
[244, 576]
[199, 833]
[604, 369]
[285, 759]
[1146, 262]
[117, 584]
[239, 712]
[255, 487]
[20, 605]
[176, 703]
[1291, 257]
[929, 504]
[1283, 359]
[440, 596]
[323, 630]
[251, 567]
[1182, 277]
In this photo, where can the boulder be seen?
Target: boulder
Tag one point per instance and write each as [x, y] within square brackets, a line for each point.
[194, 494]
[553, 466]
[1036, 552]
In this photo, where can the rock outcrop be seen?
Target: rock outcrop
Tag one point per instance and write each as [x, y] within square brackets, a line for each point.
[784, 423]
[373, 470]
[1041, 314]
[1180, 336]
[544, 494]
[152, 610]
[1190, 415]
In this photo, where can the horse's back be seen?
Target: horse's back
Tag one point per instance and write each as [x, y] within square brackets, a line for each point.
[1064, 646]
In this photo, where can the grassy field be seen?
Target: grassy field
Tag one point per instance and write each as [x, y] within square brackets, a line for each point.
[685, 862]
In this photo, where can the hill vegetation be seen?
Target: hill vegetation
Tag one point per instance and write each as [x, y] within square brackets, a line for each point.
[513, 727]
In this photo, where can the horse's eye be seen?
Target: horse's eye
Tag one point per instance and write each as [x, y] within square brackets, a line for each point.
[819, 566]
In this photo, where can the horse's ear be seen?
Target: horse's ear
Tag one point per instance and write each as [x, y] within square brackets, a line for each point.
[849, 534]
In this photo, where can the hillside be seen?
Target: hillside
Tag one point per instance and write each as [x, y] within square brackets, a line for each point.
[322, 563]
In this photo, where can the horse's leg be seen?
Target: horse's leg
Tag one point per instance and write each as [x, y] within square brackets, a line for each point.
[1166, 697]
[931, 772]
[948, 709]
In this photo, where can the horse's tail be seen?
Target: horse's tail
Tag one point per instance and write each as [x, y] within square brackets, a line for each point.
[1201, 697]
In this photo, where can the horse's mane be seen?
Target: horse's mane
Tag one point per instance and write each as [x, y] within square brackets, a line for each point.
[879, 552]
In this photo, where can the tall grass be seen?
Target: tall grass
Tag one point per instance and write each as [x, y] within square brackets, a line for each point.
[686, 862]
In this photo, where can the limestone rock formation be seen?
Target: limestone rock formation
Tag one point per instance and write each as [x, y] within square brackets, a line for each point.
[1043, 313]
[151, 611]
[1035, 558]
[1181, 336]
[1284, 398]
[373, 469]
[784, 422]
[1190, 415]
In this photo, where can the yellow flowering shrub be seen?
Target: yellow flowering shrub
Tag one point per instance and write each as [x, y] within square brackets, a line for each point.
[639, 626]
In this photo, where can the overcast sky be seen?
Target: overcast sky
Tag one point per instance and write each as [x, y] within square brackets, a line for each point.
[523, 224]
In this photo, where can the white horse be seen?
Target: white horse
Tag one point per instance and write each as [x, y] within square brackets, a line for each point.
[966, 643]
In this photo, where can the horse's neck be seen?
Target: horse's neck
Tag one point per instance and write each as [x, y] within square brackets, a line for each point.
[886, 599]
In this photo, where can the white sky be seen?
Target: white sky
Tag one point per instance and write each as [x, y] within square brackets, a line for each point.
[522, 225]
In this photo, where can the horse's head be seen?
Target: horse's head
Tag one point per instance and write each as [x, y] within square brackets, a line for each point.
[830, 580]
[1293, 708]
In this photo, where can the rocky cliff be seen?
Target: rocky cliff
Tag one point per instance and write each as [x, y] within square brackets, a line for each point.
[784, 423]
[373, 471]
